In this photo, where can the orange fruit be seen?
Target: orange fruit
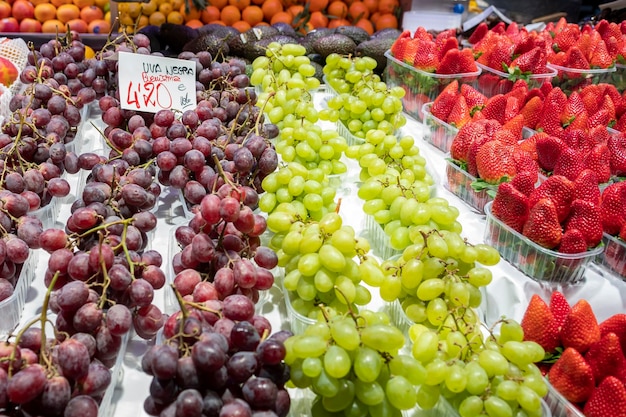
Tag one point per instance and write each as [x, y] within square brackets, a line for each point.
[210, 14]
[78, 25]
[230, 14]
[157, 18]
[150, 7]
[5, 9]
[36, 2]
[241, 25]
[281, 17]
[192, 14]
[194, 23]
[83, 3]
[257, 2]
[262, 24]
[90, 13]
[387, 20]
[338, 9]
[22, 9]
[317, 5]
[103, 4]
[270, 8]
[219, 22]
[67, 12]
[57, 3]
[252, 14]
[374, 17]
[166, 8]
[335, 23]
[30, 25]
[142, 21]
[366, 25]
[295, 10]
[175, 18]
[53, 26]
[358, 10]
[99, 26]
[220, 4]
[176, 3]
[388, 6]
[45, 11]
[240, 4]
[318, 20]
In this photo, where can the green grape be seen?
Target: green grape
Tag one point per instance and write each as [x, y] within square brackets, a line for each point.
[459, 294]
[407, 210]
[425, 346]
[430, 289]
[308, 346]
[337, 362]
[471, 406]
[330, 223]
[528, 399]
[415, 311]
[494, 363]
[310, 243]
[408, 367]
[536, 383]
[399, 238]
[323, 280]
[437, 246]
[332, 258]
[497, 407]
[278, 222]
[325, 385]
[345, 334]
[345, 291]
[369, 393]
[309, 264]
[433, 268]
[469, 255]
[510, 330]
[371, 273]
[436, 311]
[312, 367]
[362, 296]
[477, 378]
[343, 240]
[517, 353]
[536, 351]
[318, 329]
[401, 393]
[383, 338]
[367, 364]
[391, 288]
[343, 399]
[508, 390]
[456, 379]
[267, 202]
[427, 396]
[412, 273]
[479, 276]
[487, 255]
[455, 343]
[306, 289]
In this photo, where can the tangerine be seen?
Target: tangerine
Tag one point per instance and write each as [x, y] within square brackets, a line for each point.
[318, 20]
[99, 26]
[45, 11]
[366, 25]
[210, 14]
[241, 26]
[57, 3]
[253, 15]
[388, 6]
[53, 26]
[5, 9]
[142, 21]
[150, 7]
[22, 9]
[230, 14]
[67, 12]
[91, 13]
[358, 10]
[270, 8]
[157, 18]
[372, 5]
[30, 25]
[83, 3]
[281, 17]
[240, 4]
[335, 23]
[220, 4]
[295, 9]
[317, 5]
[176, 3]
[387, 21]
[78, 25]
[175, 18]
[192, 14]
[194, 23]
[338, 9]
[166, 8]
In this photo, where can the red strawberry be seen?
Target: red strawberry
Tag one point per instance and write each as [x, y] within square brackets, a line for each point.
[575, 58]
[606, 358]
[600, 134]
[599, 161]
[615, 324]
[425, 58]
[445, 44]
[559, 190]
[467, 62]
[422, 34]
[500, 57]
[479, 32]
[573, 241]
[549, 148]
[532, 111]
[600, 118]
[473, 152]
[586, 187]
[609, 399]
[524, 182]
[617, 147]
[572, 376]
[524, 162]
[459, 149]
[450, 62]
[550, 121]
[519, 90]
[578, 139]
[566, 38]
[542, 226]
[528, 62]
[399, 46]
[460, 113]
[592, 97]
[569, 164]
[580, 329]
[530, 144]
[445, 101]
[573, 108]
[560, 308]
[475, 99]
[495, 108]
[545, 88]
[411, 50]
[600, 57]
[510, 206]
[585, 216]
[539, 325]
[613, 207]
[506, 137]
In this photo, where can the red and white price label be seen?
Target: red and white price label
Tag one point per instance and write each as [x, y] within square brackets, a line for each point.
[152, 83]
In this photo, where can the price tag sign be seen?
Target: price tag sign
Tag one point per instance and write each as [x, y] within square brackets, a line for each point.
[152, 83]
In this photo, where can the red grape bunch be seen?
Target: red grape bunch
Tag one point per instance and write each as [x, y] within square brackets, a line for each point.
[228, 368]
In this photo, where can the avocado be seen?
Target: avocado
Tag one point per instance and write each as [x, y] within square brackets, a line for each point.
[214, 44]
[253, 50]
[317, 58]
[387, 33]
[355, 33]
[334, 43]
[285, 29]
[317, 33]
[319, 71]
[176, 36]
[220, 31]
[376, 49]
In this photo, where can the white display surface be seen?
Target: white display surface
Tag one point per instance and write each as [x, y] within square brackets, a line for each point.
[507, 295]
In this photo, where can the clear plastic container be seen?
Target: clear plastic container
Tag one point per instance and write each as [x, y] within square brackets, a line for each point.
[297, 322]
[559, 406]
[459, 182]
[48, 213]
[537, 262]
[618, 78]
[107, 407]
[572, 79]
[12, 307]
[492, 82]
[613, 258]
[379, 241]
[444, 409]
[438, 133]
[421, 87]
[350, 138]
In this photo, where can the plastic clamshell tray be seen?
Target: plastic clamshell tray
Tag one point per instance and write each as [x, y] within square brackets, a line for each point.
[618, 78]
[297, 322]
[438, 133]
[558, 405]
[379, 241]
[11, 308]
[420, 86]
[572, 79]
[493, 82]
[537, 262]
[106, 407]
[459, 182]
[613, 258]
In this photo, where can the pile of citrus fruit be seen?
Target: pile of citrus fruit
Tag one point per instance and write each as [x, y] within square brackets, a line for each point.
[52, 16]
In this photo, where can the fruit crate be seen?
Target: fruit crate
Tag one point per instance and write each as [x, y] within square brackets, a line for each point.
[558, 405]
[493, 82]
[572, 79]
[438, 133]
[613, 258]
[11, 308]
[443, 408]
[379, 241]
[537, 262]
[459, 182]
[420, 86]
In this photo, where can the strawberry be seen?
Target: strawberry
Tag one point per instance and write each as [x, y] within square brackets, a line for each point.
[425, 58]
[585, 216]
[600, 134]
[479, 32]
[542, 226]
[532, 111]
[573, 241]
[569, 164]
[524, 182]
[600, 118]
[550, 121]
[613, 208]
[476, 146]
[566, 38]
[524, 162]
[463, 140]
[559, 190]
[608, 399]
[539, 325]
[545, 88]
[519, 90]
[500, 57]
[575, 58]
[549, 148]
[560, 308]
[399, 46]
[573, 108]
[445, 101]
[446, 44]
[475, 99]
[617, 147]
[530, 144]
[579, 140]
[587, 42]
[615, 324]
[449, 63]
[592, 97]
[506, 137]
[598, 159]
[460, 113]
[495, 108]
[422, 34]
[606, 358]
[528, 62]
[510, 206]
[580, 329]
[467, 62]
[580, 122]
[572, 376]
[600, 57]
[586, 187]
[411, 50]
